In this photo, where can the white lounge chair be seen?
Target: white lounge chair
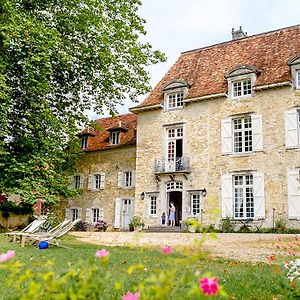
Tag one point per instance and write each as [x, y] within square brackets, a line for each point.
[53, 236]
[33, 227]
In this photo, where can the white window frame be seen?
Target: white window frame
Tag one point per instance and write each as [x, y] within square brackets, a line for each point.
[128, 179]
[176, 99]
[153, 208]
[243, 131]
[94, 212]
[74, 213]
[297, 79]
[83, 142]
[77, 181]
[241, 78]
[115, 137]
[194, 206]
[247, 194]
[242, 89]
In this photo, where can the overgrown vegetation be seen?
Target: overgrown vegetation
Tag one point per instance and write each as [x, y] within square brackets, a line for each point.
[9, 208]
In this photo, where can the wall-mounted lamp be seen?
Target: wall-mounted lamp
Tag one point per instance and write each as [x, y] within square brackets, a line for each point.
[142, 195]
[204, 192]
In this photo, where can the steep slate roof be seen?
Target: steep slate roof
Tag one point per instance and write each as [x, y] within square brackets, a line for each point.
[100, 140]
[204, 69]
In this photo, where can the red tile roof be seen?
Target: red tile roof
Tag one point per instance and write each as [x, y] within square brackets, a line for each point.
[101, 139]
[204, 69]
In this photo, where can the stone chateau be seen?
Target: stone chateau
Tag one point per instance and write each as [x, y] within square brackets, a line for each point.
[219, 131]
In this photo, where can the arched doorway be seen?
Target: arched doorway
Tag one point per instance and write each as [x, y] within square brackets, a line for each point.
[174, 194]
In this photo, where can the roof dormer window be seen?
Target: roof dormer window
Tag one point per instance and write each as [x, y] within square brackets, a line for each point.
[241, 81]
[174, 94]
[115, 137]
[83, 142]
[295, 70]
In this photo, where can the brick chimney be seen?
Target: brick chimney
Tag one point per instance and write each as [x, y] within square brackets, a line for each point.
[238, 34]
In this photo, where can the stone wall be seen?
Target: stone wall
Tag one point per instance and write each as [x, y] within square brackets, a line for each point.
[202, 144]
[109, 162]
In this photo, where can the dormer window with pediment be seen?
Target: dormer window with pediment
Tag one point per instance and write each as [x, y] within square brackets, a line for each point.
[174, 94]
[241, 80]
[295, 70]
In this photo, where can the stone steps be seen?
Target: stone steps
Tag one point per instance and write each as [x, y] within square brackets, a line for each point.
[168, 229]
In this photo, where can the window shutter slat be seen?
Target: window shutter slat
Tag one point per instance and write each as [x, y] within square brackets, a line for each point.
[79, 213]
[88, 215]
[291, 129]
[102, 182]
[90, 182]
[259, 197]
[81, 180]
[257, 132]
[120, 179]
[226, 136]
[293, 194]
[68, 214]
[117, 213]
[133, 179]
[227, 197]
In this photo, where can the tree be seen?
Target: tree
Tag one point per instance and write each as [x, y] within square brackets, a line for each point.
[57, 59]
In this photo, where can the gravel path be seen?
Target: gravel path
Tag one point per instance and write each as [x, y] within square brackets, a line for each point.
[241, 247]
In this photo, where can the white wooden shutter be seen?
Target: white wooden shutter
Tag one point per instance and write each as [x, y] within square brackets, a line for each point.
[133, 179]
[257, 132]
[88, 215]
[120, 179]
[293, 194]
[81, 180]
[117, 212]
[259, 195]
[90, 182]
[79, 213]
[101, 214]
[227, 197]
[102, 181]
[68, 213]
[71, 182]
[291, 128]
[226, 136]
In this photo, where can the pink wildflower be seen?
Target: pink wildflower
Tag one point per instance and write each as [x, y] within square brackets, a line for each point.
[130, 296]
[209, 286]
[166, 250]
[101, 253]
[6, 256]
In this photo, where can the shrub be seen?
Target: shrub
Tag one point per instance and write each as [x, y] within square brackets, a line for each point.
[8, 208]
[81, 226]
[101, 225]
[227, 225]
[136, 221]
[280, 225]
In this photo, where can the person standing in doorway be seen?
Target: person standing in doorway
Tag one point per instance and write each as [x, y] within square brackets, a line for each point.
[172, 214]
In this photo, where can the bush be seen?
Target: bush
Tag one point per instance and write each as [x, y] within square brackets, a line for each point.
[101, 225]
[81, 226]
[227, 225]
[280, 225]
[9, 208]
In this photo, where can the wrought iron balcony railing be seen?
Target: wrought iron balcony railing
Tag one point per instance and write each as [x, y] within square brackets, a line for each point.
[166, 165]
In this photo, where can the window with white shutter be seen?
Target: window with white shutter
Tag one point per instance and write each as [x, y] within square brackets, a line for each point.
[293, 182]
[291, 123]
[226, 136]
[120, 180]
[195, 204]
[227, 199]
[259, 195]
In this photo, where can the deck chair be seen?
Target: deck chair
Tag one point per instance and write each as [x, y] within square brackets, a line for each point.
[53, 236]
[33, 227]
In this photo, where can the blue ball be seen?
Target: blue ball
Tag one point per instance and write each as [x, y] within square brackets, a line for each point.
[43, 245]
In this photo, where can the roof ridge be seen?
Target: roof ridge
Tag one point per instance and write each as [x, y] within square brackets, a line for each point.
[114, 117]
[241, 39]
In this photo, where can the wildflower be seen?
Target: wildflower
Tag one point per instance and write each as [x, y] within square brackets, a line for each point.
[101, 253]
[130, 296]
[271, 257]
[6, 256]
[166, 250]
[209, 286]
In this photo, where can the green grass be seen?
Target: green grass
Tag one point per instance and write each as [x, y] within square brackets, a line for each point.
[240, 280]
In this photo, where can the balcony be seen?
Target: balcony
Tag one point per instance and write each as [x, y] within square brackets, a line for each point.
[178, 165]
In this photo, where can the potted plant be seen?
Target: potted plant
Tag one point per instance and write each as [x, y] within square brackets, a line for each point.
[191, 224]
[136, 223]
[101, 225]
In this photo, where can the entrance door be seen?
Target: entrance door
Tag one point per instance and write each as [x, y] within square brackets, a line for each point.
[127, 211]
[176, 198]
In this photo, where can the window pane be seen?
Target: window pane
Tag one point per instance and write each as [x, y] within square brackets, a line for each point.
[153, 204]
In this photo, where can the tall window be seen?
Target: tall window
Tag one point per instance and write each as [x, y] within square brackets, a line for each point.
[195, 204]
[83, 142]
[97, 181]
[298, 79]
[242, 88]
[74, 214]
[175, 100]
[242, 135]
[127, 179]
[243, 196]
[97, 214]
[77, 182]
[115, 138]
[153, 205]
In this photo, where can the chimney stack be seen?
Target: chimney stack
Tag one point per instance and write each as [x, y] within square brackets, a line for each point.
[238, 34]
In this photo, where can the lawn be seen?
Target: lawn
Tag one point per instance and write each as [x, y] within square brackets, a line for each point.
[239, 280]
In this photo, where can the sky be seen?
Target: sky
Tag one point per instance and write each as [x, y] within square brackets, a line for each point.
[174, 26]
